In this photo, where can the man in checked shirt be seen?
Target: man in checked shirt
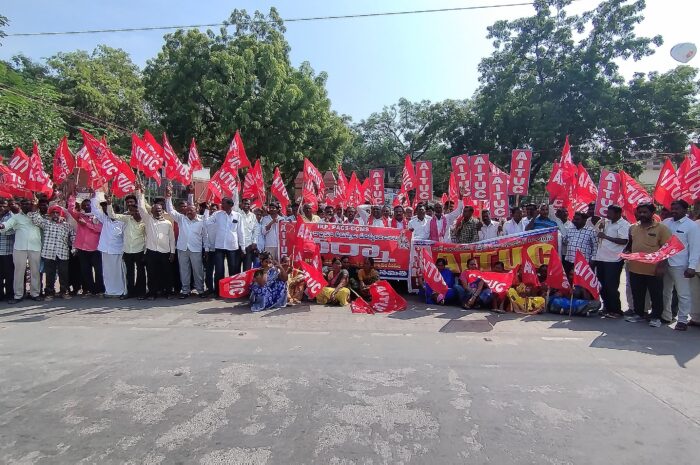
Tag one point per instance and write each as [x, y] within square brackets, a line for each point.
[58, 237]
[579, 238]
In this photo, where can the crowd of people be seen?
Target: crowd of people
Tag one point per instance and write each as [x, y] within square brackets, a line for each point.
[179, 249]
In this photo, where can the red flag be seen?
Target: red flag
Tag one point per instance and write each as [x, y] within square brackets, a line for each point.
[82, 159]
[145, 158]
[279, 190]
[609, 192]
[431, 275]
[366, 193]
[584, 275]
[520, 162]
[354, 196]
[175, 170]
[529, 273]
[235, 287]
[225, 182]
[313, 277]
[342, 186]
[668, 188]
[153, 144]
[668, 250]
[360, 306]
[236, 157]
[498, 193]
[101, 156]
[63, 162]
[12, 182]
[314, 179]
[385, 298]
[586, 191]
[408, 179]
[19, 164]
[689, 177]
[424, 179]
[453, 189]
[480, 183]
[633, 194]
[38, 180]
[193, 158]
[254, 186]
[566, 157]
[499, 283]
[556, 278]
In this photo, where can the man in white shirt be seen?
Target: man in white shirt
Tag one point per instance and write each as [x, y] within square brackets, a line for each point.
[209, 261]
[683, 266]
[191, 244]
[250, 222]
[516, 224]
[375, 219]
[440, 229]
[229, 240]
[612, 241]
[352, 218]
[420, 225]
[489, 229]
[111, 246]
[270, 230]
[160, 248]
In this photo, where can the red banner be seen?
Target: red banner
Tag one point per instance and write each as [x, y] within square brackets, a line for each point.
[359, 305]
[236, 157]
[144, 158]
[668, 250]
[668, 187]
[499, 283]
[431, 275]
[584, 275]
[389, 247]
[63, 162]
[608, 192]
[556, 278]
[424, 176]
[193, 158]
[314, 279]
[376, 185]
[385, 298]
[38, 179]
[460, 168]
[585, 191]
[408, 177]
[175, 170]
[498, 198]
[235, 287]
[19, 164]
[520, 162]
[633, 194]
[480, 178]
[279, 191]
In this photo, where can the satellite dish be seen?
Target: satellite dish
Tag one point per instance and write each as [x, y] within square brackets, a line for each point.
[684, 52]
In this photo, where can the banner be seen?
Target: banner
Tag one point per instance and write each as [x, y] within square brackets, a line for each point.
[668, 187]
[359, 305]
[672, 247]
[584, 275]
[520, 172]
[480, 171]
[424, 175]
[408, 177]
[538, 245]
[385, 298]
[193, 158]
[499, 283]
[389, 247]
[63, 162]
[279, 191]
[460, 168]
[608, 192]
[235, 287]
[376, 185]
[236, 157]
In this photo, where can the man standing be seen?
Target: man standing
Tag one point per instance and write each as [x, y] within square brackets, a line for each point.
[613, 240]
[579, 238]
[190, 245]
[681, 267]
[7, 243]
[420, 225]
[647, 235]
[351, 217]
[308, 216]
[229, 240]
[27, 248]
[441, 225]
[160, 248]
[542, 221]
[399, 221]
[134, 247]
[111, 246]
[530, 213]
[270, 229]
[87, 237]
[210, 260]
[467, 229]
[489, 229]
[250, 222]
[58, 235]
[375, 219]
[516, 223]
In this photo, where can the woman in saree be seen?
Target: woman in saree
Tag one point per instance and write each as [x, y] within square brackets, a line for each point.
[337, 291]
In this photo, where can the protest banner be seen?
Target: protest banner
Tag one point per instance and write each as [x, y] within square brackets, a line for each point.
[520, 172]
[608, 192]
[480, 171]
[673, 247]
[460, 169]
[498, 195]
[376, 185]
[538, 245]
[389, 247]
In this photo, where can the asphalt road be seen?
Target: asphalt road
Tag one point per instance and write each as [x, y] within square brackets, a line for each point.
[94, 381]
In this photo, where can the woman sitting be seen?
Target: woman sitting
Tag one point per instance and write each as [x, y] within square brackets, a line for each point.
[296, 285]
[337, 291]
[367, 276]
[476, 293]
[432, 297]
[526, 298]
[269, 288]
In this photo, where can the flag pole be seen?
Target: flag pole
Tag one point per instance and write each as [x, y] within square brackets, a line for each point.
[571, 302]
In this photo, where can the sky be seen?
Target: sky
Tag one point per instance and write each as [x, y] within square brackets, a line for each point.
[370, 62]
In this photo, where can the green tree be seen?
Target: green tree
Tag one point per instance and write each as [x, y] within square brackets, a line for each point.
[554, 74]
[101, 87]
[208, 85]
[3, 22]
[28, 113]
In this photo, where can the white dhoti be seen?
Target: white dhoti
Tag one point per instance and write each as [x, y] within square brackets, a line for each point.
[113, 274]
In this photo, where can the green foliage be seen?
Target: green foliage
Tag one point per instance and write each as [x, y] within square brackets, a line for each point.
[27, 114]
[208, 85]
[3, 22]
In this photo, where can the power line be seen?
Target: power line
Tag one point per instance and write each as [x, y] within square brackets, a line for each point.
[289, 20]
